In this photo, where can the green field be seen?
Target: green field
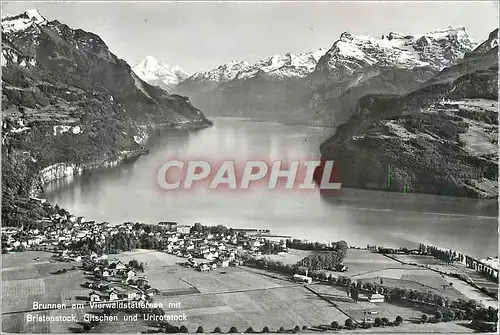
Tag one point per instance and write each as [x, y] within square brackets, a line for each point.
[291, 257]
[279, 307]
[27, 278]
[152, 258]
[227, 279]
[237, 296]
[362, 261]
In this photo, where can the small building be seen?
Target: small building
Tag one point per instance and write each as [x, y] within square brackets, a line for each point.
[113, 296]
[95, 297]
[131, 274]
[375, 297]
[120, 266]
[183, 229]
[133, 296]
[302, 278]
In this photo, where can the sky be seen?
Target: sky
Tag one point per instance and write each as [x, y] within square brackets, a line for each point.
[200, 36]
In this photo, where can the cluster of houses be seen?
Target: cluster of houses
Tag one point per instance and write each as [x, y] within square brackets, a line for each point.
[208, 251]
[204, 251]
[115, 281]
[57, 231]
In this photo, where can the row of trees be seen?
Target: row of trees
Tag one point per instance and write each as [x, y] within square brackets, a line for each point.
[270, 248]
[323, 261]
[219, 229]
[266, 263]
[336, 254]
[446, 256]
[348, 324]
[168, 328]
[119, 242]
[305, 245]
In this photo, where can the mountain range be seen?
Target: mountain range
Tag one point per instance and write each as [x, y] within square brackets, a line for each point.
[423, 107]
[69, 103]
[322, 87]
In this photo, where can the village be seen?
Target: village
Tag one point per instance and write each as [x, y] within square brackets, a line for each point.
[204, 251]
[142, 267]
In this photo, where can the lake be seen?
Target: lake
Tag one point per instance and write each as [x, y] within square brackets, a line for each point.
[129, 192]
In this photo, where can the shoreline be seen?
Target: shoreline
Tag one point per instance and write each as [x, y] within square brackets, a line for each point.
[37, 189]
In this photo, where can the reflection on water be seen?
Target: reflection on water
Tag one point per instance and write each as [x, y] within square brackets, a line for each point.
[129, 193]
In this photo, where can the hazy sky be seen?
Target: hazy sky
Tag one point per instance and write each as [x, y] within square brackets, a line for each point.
[201, 36]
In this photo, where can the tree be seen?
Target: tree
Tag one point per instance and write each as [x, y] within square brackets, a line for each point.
[424, 318]
[233, 330]
[281, 330]
[399, 320]
[385, 321]
[172, 329]
[438, 316]
[349, 324]
[184, 329]
[304, 327]
[200, 330]
[378, 322]
[217, 330]
[335, 325]
[249, 330]
[265, 329]
[296, 329]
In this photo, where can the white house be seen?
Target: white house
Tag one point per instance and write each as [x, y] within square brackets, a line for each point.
[133, 296]
[130, 274]
[375, 297]
[301, 278]
[120, 266]
[94, 297]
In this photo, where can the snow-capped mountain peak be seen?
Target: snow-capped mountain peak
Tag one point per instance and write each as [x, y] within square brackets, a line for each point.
[436, 49]
[157, 73]
[290, 65]
[150, 63]
[15, 23]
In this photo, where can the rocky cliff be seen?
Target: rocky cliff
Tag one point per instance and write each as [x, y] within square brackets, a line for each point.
[66, 99]
[441, 138]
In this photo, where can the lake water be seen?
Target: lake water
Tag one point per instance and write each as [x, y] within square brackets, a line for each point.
[129, 192]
